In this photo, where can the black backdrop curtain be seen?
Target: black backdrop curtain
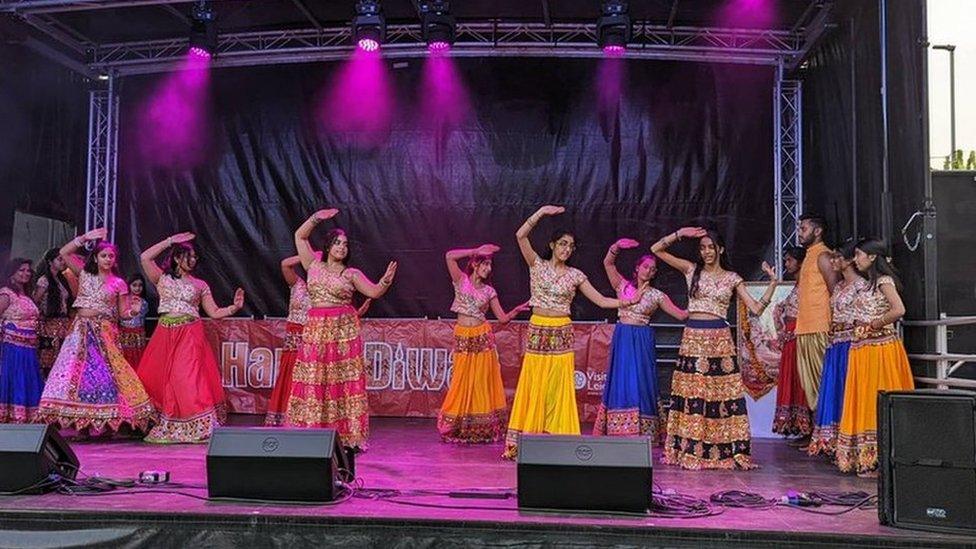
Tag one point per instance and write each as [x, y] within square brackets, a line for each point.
[686, 143]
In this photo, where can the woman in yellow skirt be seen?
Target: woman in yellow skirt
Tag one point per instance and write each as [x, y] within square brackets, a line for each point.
[877, 360]
[474, 407]
[545, 398]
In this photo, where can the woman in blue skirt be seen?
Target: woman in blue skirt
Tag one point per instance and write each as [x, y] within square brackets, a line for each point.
[20, 371]
[629, 405]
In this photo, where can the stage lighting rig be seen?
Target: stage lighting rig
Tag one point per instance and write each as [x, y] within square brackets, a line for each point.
[203, 30]
[369, 25]
[437, 24]
[613, 27]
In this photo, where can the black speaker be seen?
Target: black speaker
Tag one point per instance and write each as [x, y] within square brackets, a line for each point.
[927, 460]
[274, 464]
[584, 473]
[29, 454]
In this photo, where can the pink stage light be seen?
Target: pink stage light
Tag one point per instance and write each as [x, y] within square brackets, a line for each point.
[368, 44]
[614, 50]
[439, 47]
[199, 52]
[358, 106]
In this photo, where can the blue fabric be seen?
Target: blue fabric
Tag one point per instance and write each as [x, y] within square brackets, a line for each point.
[20, 375]
[830, 403]
[632, 377]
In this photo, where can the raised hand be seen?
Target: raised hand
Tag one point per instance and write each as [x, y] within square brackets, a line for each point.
[327, 213]
[387, 278]
[487, 249]
[551, 210]
[626, 243]
[180, 238]
[692, 232]
[239, 299]
[768, 269]
[95, 234]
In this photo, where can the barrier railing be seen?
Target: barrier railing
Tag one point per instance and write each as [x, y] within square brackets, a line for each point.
[946, 363]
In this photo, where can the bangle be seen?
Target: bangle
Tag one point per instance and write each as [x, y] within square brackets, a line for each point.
[613, 250]
[169, 240]
[675, 235]
[78, 242]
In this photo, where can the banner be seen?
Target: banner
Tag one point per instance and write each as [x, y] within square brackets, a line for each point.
[408, 362]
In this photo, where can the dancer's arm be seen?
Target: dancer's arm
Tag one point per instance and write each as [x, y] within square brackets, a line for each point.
[370, 289]
[213, 311]
[830, 276]
[601, 300]
[288, 269]
[522, 234]
[69, 252]
[501, 315]
[148, 258]
[669, 307]
[610, 260]
[305, 252]
[758, 307]
[660, 248]
[4, 302]
[452, 257]
[364, 307]
[897, 306]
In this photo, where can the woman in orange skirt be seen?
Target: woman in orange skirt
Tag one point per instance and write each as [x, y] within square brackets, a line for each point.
[877, 360]
[474, 407]
[178, 366]
[328, 386]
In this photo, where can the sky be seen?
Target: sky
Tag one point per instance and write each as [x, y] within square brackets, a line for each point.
[952, 22]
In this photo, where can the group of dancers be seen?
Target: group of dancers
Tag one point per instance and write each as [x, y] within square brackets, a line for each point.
[102, 380]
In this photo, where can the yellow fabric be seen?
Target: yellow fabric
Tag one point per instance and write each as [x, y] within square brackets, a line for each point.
[810, 351]
[870, 369]
[545, 398]
[814, 313]
[475, 402]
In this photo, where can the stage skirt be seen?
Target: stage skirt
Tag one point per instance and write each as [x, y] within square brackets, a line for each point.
[328, 387]
[182, 377]
[278, 403]
[824, 438]
[474, 407]
[545, 398]
[810, 350]
[50, 335]
[20, 374]
[629, 404]
[707, 423]
[792, 416]
[877, 362]
[91, 386]
[133, 343]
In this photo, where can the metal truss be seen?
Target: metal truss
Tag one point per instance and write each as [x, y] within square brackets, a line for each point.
[103, 139]
[788, 158]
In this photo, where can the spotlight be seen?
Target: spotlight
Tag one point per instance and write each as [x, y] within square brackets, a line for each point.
[613, 28]
[203, 30]
[369, 25]
[437, 24]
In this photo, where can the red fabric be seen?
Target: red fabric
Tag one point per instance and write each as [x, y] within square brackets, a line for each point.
[792, 415]
[132, 353]
[278, 402]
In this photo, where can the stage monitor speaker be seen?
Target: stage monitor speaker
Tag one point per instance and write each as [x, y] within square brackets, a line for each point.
[273, 464]
[584, 473]
[29, 454]
[927, 460]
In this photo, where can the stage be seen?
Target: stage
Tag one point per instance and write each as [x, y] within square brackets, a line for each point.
[406, 455]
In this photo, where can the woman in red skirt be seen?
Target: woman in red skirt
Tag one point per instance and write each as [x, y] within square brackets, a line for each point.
[132, 331]
[792, 416]
[298, 306]
[178, 366]
[328, 386]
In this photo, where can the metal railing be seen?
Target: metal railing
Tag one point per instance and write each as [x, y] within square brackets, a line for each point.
[946, 363]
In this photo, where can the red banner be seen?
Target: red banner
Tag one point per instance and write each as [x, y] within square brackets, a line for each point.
[408, 362]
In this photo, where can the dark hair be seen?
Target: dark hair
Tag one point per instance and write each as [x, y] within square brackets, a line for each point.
[12, 267]
[473, 263]
[134, 277]
[51, 308]
[846, 250]
[881, 266]
[177, 252]
[641, 259]
[553, 238]
[699, 264]
[816, 219]
[796, 252]
[91, 262]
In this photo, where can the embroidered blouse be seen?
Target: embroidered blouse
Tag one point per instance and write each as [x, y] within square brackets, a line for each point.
[640, 312]
[714, 292]
[328, 289]
[871, 304]
[299, 302]
[98, 295]
[21, 312]
[842, 309]
[139, 320]
[791, 305]
[181, 296]
[472, 301]
[549, 289]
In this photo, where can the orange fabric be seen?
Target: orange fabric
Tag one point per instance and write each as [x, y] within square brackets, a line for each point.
[814, 314]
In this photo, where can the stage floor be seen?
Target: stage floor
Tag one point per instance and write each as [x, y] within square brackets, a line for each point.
[406, 454]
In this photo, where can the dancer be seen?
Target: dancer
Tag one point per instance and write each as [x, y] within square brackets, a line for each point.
[178, 366]
[816, 282]
[877, 360]
[91, 387]
[298, 305]
[708, 424]
[132, 331]
[474, 407]
[792, 415]
[329, 379]
[52, 294]
[823, 441]
[545, 398]
[630, 396]
[20, 371]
